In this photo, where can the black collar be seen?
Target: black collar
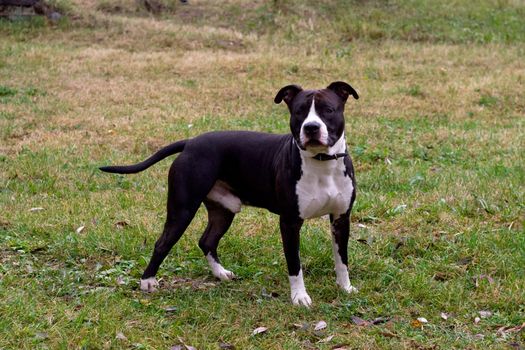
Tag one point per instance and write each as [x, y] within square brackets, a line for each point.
[324, 156]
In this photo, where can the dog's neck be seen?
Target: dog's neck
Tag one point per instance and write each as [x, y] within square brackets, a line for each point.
[307, 156]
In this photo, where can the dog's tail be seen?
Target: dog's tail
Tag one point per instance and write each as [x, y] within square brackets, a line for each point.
[158, 156]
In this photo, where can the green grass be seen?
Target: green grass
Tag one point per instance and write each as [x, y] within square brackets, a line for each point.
[437, 139]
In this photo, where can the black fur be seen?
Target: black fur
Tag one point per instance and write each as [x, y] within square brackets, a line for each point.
[261, 169]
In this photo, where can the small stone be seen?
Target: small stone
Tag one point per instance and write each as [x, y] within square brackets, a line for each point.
[320, 325]
[422, 320]
[121, 336]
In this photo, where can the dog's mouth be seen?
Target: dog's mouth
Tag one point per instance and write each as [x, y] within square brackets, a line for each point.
[314, 144]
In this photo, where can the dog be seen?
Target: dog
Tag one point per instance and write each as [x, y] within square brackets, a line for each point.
[297, 176]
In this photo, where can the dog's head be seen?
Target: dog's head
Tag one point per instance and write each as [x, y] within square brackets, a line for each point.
[316, 116]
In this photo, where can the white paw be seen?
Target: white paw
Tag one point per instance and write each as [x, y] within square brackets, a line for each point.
[149, 284]
[219, 271]
[301, 298]
[223, 274]
[349, 289]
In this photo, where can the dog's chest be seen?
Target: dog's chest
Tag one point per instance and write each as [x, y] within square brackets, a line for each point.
[323, 190]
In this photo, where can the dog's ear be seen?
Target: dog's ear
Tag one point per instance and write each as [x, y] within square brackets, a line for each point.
[343, 90]
[287, 94]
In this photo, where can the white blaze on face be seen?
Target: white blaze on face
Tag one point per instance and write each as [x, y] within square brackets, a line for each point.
[313, 117]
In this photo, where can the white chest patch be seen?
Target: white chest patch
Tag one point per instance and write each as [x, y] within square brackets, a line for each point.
[323, 188]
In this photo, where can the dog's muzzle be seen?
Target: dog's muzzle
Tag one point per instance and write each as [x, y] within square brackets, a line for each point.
[312, 134]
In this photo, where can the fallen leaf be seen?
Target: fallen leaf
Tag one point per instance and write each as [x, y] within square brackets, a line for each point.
[326, 340]
[270, 295]
[37, 249]
[515, 345]
[422, 320]
[202, 285]
[36, 209]
[402, 242]
[388, 334]
[444, 316]
[80, 229]
[340, 347]
[441, 276]
[307, 345]
[399, 209]
[361, 226]
[517, 328]
[485, 313]
[479, 336]
[502, 331]
[480, 278]
[302, 326]
[183, 346]
[41, 335]
[4, 225]
[416, 324]
[227, 346]
[465, 261]
[259, 330]
[380, 320]
[359, 321]
[121, 336]
[170, 309]
[476, 320]
[120, 281]
[320, 325]
[121, 224]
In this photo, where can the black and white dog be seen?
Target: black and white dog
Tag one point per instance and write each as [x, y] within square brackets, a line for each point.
[301, 175]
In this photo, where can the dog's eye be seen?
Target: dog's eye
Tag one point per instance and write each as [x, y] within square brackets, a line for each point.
[328, 110]
[302, 110]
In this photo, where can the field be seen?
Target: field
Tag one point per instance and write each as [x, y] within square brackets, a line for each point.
[437, 139]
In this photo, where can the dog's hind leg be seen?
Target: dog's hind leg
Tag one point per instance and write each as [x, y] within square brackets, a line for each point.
[219, 220]
[185, 194]
[173, 230]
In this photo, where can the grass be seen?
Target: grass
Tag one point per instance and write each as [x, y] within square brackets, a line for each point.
[437, 139]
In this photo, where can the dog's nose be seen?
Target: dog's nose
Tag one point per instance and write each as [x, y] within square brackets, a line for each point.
[311, 128]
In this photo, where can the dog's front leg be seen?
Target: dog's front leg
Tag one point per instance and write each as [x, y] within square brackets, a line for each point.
[340, 235]
[290, 228]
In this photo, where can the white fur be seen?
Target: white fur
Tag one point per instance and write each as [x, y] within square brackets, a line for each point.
[298, 291]
[219, 271]
[341, 270]
[149, 284]
[314, 117]
[323, 187]
[221, 193]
